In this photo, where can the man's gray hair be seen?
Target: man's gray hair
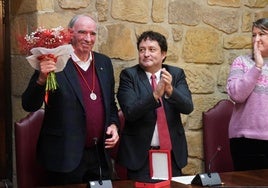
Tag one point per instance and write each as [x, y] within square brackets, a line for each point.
[75, 18]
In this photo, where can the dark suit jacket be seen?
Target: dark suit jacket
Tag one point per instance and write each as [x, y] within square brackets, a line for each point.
[62, 138]
[138, 105]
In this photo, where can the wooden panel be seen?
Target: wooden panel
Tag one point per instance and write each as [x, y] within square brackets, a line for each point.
[5, 96]
[2, 104]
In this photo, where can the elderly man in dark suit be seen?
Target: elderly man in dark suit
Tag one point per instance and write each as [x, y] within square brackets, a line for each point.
[139, 103]
[81, 115]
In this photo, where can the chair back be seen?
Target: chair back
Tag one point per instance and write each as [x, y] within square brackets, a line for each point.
[217, 153]
[29, 173]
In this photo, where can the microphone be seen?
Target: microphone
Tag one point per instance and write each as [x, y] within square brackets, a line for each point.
[100, 183]
[98, 156]
[208, 179]
[212, 159]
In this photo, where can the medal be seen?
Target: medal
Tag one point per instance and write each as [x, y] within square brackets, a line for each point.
[93, 96]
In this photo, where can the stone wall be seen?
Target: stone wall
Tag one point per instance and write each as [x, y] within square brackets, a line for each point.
[204, 36]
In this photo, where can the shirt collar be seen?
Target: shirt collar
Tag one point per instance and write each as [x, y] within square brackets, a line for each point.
[157, 74]
[82, 64]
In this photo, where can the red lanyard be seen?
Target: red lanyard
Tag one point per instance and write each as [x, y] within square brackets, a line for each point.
[93, 96]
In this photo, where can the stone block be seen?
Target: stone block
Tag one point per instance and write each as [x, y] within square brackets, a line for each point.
[71, 4]
[133, 11]
[184, 12]
[158, 10]
[225, 3]
[21, 72]
[117, 42]
[195, 138]
[256, 3]
[238, 41]
[223, 20]
[102, 8]
[202, 45]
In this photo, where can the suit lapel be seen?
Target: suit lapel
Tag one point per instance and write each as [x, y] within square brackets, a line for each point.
[100, 71]
[71, 75]
[144, 80]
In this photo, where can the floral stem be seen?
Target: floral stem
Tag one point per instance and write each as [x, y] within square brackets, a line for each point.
[51, 84]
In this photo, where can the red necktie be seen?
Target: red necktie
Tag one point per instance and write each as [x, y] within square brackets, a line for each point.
[163, 132]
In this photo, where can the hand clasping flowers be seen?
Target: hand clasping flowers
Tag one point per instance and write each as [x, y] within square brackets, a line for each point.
[47, 43]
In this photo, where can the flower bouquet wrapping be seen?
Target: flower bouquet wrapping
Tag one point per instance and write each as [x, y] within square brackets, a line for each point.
[47, 44]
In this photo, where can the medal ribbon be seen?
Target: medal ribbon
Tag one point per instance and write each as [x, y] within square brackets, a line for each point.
[93, 75]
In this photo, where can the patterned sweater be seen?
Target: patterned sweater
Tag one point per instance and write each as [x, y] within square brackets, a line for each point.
[247, 86]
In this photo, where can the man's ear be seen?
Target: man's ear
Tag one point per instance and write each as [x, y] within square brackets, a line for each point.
[71, 31]
[164, 56]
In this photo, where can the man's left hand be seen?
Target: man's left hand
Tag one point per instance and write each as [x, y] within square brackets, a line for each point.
[112, 136]
[167, 79]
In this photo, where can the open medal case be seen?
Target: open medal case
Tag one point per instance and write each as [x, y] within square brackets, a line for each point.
[160, 170]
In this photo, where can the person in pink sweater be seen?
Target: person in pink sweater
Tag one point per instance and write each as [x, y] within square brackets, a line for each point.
[247, 86]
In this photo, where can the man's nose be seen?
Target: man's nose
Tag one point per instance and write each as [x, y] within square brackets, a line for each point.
[146, 53]
[257, 38]
[88, 36]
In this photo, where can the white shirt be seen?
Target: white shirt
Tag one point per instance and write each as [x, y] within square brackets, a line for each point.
[82, 64]
[155, 139]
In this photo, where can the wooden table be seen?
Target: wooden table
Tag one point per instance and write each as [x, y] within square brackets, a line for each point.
[245, 178]
[254, 178]
[120, 184]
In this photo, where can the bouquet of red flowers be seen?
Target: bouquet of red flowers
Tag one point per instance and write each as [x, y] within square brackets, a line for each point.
[47, 43]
